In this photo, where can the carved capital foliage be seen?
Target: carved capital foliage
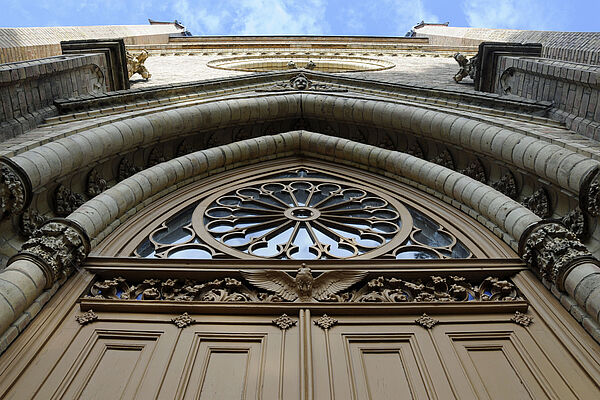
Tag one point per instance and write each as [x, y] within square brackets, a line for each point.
[86, 317]
[575, 221]
[15, 189]
[539, 203]
[58, 247]
[29, 221]
[66, 201]
[552, 250]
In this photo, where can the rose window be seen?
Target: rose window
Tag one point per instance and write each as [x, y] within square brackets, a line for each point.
[303, 220]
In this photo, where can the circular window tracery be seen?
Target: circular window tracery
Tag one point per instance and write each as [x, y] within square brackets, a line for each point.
[302, 220]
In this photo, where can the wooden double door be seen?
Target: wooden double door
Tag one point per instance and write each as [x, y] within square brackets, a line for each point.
[125, 355]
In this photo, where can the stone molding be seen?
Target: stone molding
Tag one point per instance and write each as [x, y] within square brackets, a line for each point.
[552, 250]
[58, 248]
[15, 188]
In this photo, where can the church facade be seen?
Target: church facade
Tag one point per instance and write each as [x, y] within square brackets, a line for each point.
[295, 217]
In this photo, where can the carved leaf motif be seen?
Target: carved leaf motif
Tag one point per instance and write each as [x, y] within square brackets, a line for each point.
[95, 184]
[522, 319]
[326, 322]
[284, 322]
[539, 203]
[86, 317]
[12, 191]
[67, 201]
[426, 321]
[507, 185]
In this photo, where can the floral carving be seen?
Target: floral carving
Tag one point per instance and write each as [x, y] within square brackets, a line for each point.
[284, 322]
[507, 185]
[12, 192]
[66, 201]
[184, 148]
[522, 319]
[416, 150]
[326, 322]
[593, 198]
[551, 249]
[475, 171]
[444, 159]
[183, 320]
[426, 321]
[574, 221]
[86, 317]
[156, 157]
[300, 82]
[31, 220]
[539, 203]
[381, 289]
[126, 169]
[95, 184]
[59, 247]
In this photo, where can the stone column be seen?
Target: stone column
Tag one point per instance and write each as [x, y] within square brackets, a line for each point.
[556, 255]
[52, 252]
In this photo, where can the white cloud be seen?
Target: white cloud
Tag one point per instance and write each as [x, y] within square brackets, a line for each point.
[512, 14]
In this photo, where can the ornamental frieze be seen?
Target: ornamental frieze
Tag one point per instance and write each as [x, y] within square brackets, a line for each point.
[327, 289]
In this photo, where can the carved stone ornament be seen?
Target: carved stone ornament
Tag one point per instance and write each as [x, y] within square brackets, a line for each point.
[507, 185]
[539, 203]
[302, 83]
[183, 320]
[444, 159]
[416, 150]
[575, 221]
[184, 148]
[284, 322]
[326, 322]
[30, 220]
[86, 317]
[303, 287]
[468, 66]
[13, 191]
[426, 321]
[326, 288]
[135, 64]
[590, 196]
[95, 184]
[552, 250]
[156, 157]
[58, 247]
[66, 201]
[522, 319]
[475, 171]
[126, 169]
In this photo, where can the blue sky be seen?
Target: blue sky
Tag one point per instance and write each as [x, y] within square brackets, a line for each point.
[343, 17]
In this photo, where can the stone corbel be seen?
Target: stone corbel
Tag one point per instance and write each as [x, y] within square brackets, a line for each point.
[57, 248]
[553, 251]
[15, 188]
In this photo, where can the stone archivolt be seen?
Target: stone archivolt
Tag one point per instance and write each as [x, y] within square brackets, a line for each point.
[378, 290]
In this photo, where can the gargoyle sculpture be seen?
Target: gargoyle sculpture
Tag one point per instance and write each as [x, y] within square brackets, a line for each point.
[135, 64]
[303, 288]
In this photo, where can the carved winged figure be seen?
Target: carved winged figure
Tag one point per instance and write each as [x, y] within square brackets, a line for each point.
[304, 287]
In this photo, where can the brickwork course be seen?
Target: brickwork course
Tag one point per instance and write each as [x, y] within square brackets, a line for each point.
[540, 127]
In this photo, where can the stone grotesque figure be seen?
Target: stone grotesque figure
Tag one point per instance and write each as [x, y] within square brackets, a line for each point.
[467, 67]
[135, 64]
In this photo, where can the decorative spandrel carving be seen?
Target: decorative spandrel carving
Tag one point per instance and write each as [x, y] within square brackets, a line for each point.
[86, 317]
[444, 159]
[539, 203]
[156, 157]
[58, 247]
[284, 322]
[507, 185]
[13, 191]
[183, 320]
[575, 221]
[328, 287]
[126, 169]
[475, 171]
[552, 250]
[303, 287]
[590, 195]
[522, 319]
[95, 183]
[302, 83]
[326, 322]
[29, 221]
[66, 201]
[426, 321]
[135, 64]
[468, 66]
[416, 150]
[184, 148]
